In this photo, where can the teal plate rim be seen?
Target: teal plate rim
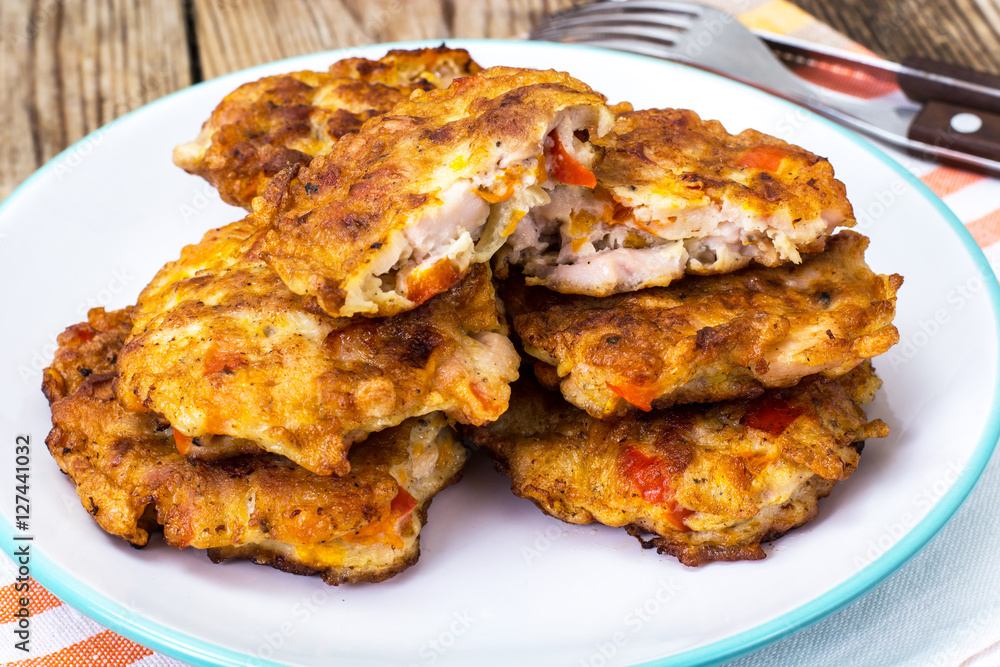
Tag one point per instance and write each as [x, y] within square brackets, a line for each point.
[184, 647]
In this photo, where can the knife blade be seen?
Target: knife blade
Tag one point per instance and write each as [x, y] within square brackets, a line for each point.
[955, 112]
[920, 79]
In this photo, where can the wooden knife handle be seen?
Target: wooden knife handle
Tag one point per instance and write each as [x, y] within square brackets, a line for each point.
[959, 128]
[923, 90]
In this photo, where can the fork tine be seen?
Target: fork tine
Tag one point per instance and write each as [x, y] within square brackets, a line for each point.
[669, 21]
[697, 35]
[654, 49]
[607, 7]
[591, 32]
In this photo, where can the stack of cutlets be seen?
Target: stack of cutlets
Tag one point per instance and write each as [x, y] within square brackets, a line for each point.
[287, 391]
[710, 413]
[240, 418]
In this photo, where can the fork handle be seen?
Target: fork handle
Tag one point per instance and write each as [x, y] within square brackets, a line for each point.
[958, 128]
[924, 89]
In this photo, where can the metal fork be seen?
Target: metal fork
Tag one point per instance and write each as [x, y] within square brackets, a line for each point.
[710, 39]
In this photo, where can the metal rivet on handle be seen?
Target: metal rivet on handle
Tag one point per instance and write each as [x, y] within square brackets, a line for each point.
[966, 122]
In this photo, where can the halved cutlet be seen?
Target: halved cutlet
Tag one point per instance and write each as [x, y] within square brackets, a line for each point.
[129, 476]
[678, 195]
[236, 362]
[401, 210]
[707, 482]
[288, 119]
[709, 338]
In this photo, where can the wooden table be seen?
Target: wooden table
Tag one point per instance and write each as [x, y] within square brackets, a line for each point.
[69, 66]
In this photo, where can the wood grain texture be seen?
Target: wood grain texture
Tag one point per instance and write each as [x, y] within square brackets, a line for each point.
[235, 34]
[962, 32]
[68, 68]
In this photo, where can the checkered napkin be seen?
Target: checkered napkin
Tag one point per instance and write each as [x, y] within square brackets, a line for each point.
[943, 608]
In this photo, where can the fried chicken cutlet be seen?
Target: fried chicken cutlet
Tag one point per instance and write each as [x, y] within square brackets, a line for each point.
[678, 195]
[266, 125]
[401, 210]
[129, 476]
[235, 362]
[709, 482]
[709, 338]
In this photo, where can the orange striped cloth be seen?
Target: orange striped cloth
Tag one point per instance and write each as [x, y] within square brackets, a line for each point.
[62, 637]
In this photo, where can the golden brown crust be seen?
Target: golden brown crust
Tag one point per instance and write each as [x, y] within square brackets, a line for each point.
[676, 195]
[266, 125]
[196, 502]
[674, 153]
[422, 69]
[707, 339]
[130, 478]
[262, 555]
[350, 210]
[800, 509]
[345, 574]
[222, 348]
[711, 482]
[87, 348]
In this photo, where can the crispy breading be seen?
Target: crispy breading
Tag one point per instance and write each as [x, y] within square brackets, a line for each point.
[709, 482]
[709, 338]
[677, 194]
[221, 347]
[422, 69]
[399, 211]
[86, 349]
[266, 125]
[360, 527]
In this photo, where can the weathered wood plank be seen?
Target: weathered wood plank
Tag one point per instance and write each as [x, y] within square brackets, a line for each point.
[20, 148]
[234, 34]
[964, 32]
[69, 67]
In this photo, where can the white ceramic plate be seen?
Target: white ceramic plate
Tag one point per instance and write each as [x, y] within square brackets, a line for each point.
[498, 583]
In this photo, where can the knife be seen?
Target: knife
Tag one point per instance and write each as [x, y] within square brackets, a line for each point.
[960, 106]
[921, 79]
